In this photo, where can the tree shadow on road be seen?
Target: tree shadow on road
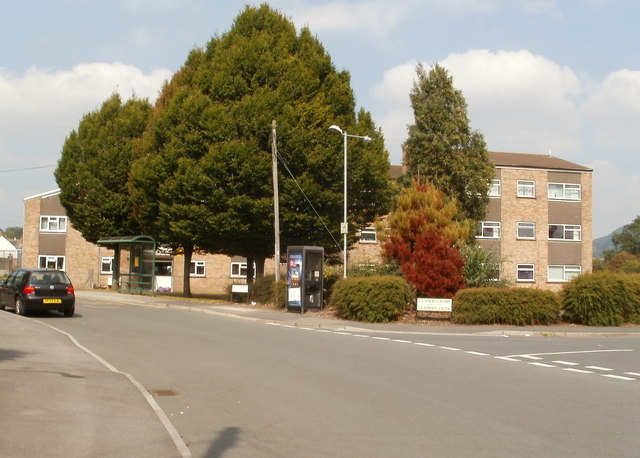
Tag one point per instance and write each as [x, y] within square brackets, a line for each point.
[8, 355]
[224, 442]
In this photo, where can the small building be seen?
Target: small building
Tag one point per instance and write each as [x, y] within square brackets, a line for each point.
[10, 256]
[50, 241]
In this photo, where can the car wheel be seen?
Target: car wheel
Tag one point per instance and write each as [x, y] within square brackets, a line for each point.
[1, 307]
[20, 310]
[69, 312]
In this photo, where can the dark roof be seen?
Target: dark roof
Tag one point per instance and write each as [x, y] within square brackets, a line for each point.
[122, 239]
[534, 161]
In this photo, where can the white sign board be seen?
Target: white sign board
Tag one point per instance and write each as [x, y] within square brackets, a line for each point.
[427, 304]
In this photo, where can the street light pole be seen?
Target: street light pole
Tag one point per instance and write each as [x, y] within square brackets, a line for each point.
[344, 227]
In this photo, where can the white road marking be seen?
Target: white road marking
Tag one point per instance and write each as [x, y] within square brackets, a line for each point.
[580, 371]
[424, 344]
[566, 363]
[400, 341]
[635, 374]
[530, 357]
[598, 368]
[450, 348]
[507, 358]
[541, 365]
[618, 377]
[477, 353]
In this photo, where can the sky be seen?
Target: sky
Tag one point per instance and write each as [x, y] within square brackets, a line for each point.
[539, 76]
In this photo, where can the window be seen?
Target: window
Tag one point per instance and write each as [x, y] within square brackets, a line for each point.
[368, 235]
[239, 269]
[564, 232]
[196, 269]
[51, 262]
[53, 224]
[489, 230]
[526, 230]
[526, 188]
[563, 273]
[106, 265]
[564, 191]
[525, 272]
[495, 189]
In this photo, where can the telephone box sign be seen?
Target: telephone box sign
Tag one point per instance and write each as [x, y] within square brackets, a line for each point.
[426, 304]
[294, 279]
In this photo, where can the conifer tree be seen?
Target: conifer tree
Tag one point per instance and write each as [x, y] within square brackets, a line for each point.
[442, 148]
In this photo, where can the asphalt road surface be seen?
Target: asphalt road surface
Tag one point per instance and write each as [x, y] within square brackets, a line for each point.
[240, 388]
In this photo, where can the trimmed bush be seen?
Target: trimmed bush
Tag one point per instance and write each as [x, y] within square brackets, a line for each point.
[515, 306]
[264, 291]
[602, 299]
[371, 299]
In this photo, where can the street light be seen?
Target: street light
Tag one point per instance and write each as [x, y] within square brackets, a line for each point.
[344, 227]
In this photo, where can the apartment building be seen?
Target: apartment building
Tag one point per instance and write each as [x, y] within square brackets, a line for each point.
[50, 241]
[539, 219]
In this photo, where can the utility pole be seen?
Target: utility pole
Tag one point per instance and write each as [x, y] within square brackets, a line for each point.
[276, 205]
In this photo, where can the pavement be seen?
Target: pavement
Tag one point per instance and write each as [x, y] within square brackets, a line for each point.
[61, 399]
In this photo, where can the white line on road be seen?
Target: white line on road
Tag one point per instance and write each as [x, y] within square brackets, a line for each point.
[477, 353]
[635, 374]
[580, 371]
[566, 363]
[542, 365]
[598, 368]
[618, 377]
[424, 344]
[400, 341]
[450, 348]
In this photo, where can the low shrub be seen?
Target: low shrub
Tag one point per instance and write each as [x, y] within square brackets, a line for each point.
[602, 299]
[264, 291]
[515, 306]
[371, 299]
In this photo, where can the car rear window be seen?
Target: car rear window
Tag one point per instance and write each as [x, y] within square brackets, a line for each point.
[47, 278]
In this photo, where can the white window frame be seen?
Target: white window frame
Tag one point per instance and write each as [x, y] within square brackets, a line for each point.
[492, 228]
[565, 191]
[570, 232]
[526, 189]
[562, 274]
[51, 262]
[53, 224]
[106, 260]
[526, 226]
[367, 238]
[197, 269]
[495, 188]
[525, 269]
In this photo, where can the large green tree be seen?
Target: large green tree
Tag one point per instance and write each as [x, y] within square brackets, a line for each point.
[93, 170]
[442, 147]
[629, 238]
[203, 179]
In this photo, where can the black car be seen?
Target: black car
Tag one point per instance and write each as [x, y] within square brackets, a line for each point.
[27, 290]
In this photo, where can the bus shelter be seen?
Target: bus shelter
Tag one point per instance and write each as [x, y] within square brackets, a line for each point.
[134, 261]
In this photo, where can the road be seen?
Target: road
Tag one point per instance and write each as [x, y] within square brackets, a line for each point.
[263, 389]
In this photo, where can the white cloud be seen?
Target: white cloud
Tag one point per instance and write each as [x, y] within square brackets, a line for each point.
[613, 109]
[41, 98]
[376, 17]
[519, 101]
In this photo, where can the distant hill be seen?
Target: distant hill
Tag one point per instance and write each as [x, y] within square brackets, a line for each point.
[604, 243]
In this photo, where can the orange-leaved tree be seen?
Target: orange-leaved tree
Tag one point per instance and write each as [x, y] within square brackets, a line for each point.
[424, 233]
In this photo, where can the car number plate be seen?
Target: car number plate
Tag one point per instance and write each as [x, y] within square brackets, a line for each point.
[52, 301]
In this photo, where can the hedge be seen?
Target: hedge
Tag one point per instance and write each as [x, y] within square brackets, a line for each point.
[371, 299]
[602, 299]
[515, 306]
